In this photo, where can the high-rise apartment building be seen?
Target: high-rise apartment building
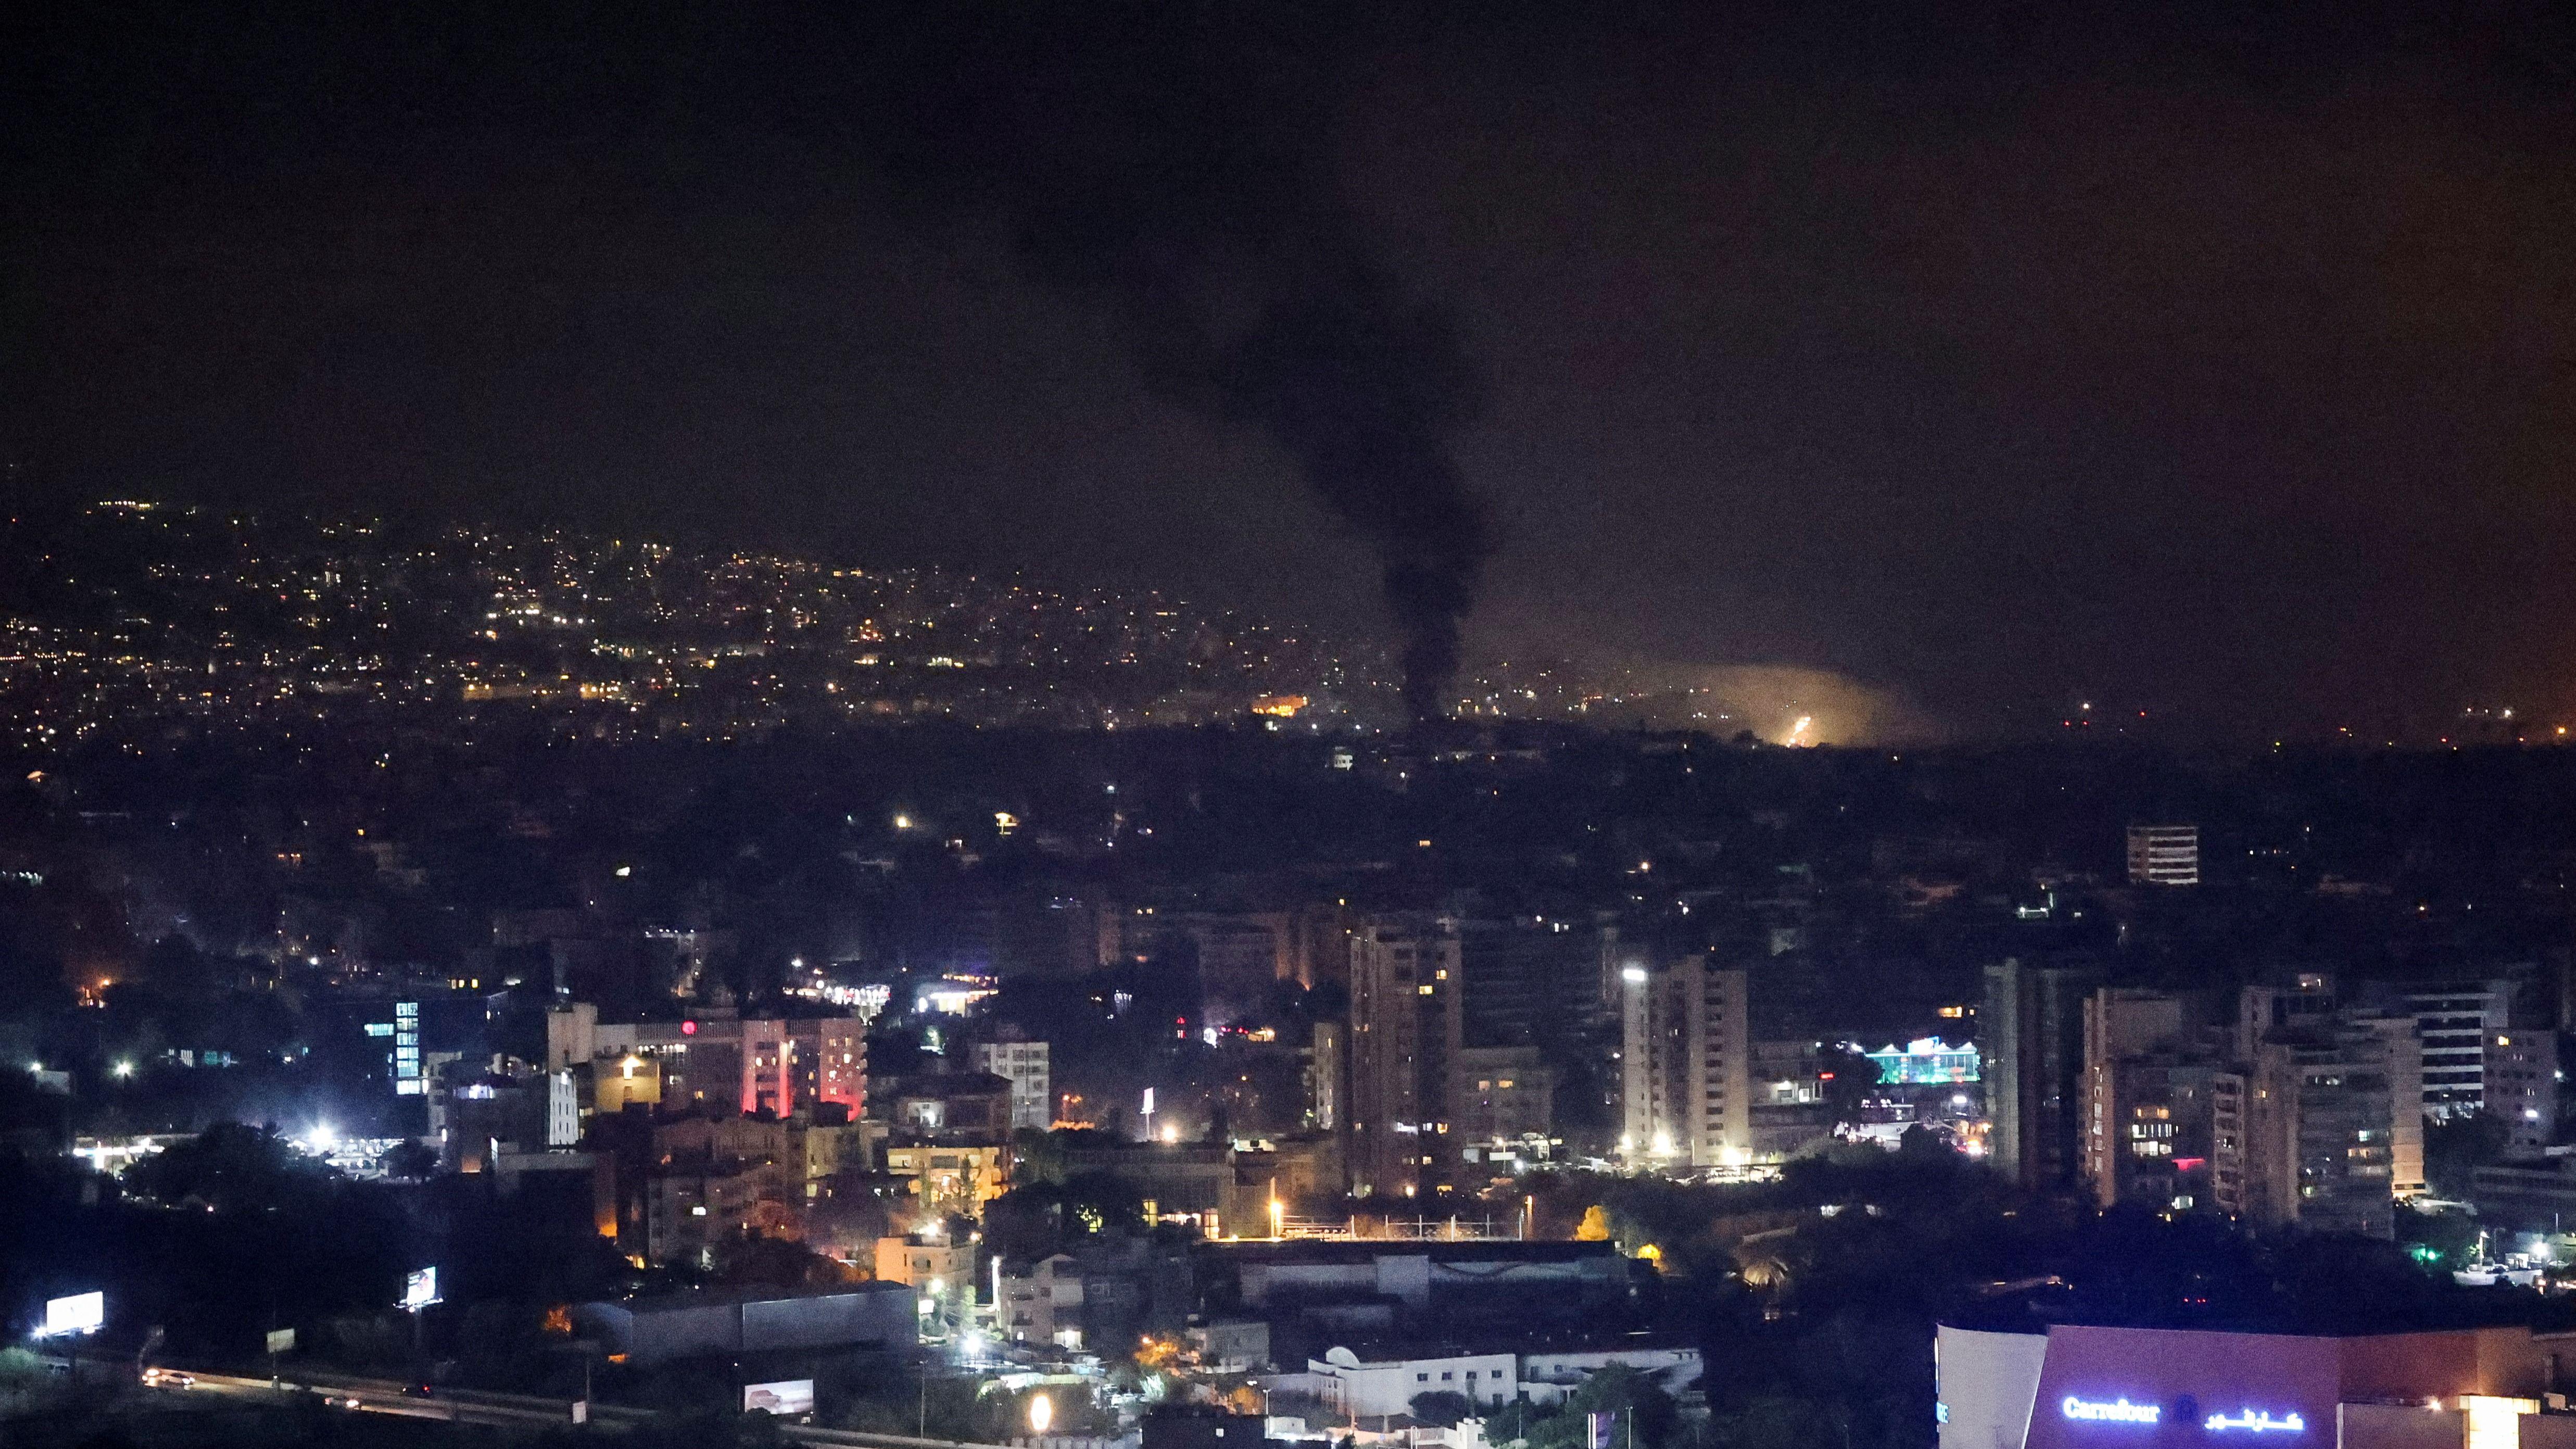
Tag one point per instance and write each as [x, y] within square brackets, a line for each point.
[2032, 1030]
[1686, 1064]
[1407, 994]
[2321, 1127]
[1517, 970]
[1327, 1076]
[1024, 1065]
[2164, 855]
[2522, 1087]
[1503, 1096]
[2145, 1100]
[2454, 1023]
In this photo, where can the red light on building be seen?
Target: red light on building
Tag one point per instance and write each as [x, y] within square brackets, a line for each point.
[688, 1028]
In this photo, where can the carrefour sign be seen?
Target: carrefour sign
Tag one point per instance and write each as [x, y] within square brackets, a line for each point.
[2122, 1411]
[2117, 1411]
[2255, 1421]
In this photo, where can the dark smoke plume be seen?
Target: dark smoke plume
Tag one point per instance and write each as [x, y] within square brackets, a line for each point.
[1364, 391]
[1174, 162]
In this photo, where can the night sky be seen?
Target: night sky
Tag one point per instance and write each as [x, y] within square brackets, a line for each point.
[2214, 362]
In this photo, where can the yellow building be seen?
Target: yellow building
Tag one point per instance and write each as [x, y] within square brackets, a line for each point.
[952, 1179]
[619, 1080]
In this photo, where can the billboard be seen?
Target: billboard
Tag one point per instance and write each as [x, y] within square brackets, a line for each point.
[785, 1397]
[80, 1313]
[420, 1289]
[406, 1055]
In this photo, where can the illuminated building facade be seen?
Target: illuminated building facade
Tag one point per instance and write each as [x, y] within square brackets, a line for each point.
[2321, 1125]
[2073, 1386]
[1024, 1065]
[2522, 1088]
[1686, 1077]
[772, 1066]
[2164, 855]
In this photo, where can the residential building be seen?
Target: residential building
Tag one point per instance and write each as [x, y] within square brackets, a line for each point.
[1024, 1065]
[2521, 1087]
[950, 1177]
[2533, 1194]
[1686, 1065]
[1327, 1076]
[1044, 1303]
[717, 1057]
[2032, 1031]
[2322, 1128]
[934, 1267]
[2164, 855]
[688, 1210]
[1790, 1109]
[955, 1106]
[2454, 1023]
[1503, 1095]
[2146, 1100]
[1406, 1029]
[1516, 970]
[503, 1105]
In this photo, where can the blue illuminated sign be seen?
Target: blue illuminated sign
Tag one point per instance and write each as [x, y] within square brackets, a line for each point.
[2118, 1411]
[2256, 1421]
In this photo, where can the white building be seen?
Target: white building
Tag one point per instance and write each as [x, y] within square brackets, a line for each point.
[1024, 1065]
[1367, 1389]
[1044, 1305]
[2164, 855]
[1547, 1378]
[2454, 1023]
[1377, 1390]
[1686, 1066]
[2522, 1088]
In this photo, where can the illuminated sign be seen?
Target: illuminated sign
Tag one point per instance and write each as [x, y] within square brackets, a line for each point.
[1926, 1060]
[80, 1313]
[2258, 1421]
[787, 1396]
[2118, 1411]
[406, 1057]
[420, 1289]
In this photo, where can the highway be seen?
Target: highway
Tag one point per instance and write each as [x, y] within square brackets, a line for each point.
[477, 1406]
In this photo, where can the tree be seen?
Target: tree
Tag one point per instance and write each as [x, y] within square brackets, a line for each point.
[1849, 1078]
[1443, 1407]
[751, 1260]
[2455, 1149]
[411, 1160]
[232, 1168]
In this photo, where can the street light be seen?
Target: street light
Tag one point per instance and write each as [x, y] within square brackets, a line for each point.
[1041, 1413]
[124, 1070]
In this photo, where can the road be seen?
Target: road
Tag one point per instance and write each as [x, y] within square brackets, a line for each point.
[477, 1406]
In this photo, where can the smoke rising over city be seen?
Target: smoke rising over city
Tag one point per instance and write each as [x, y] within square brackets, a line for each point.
[1179, 172]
